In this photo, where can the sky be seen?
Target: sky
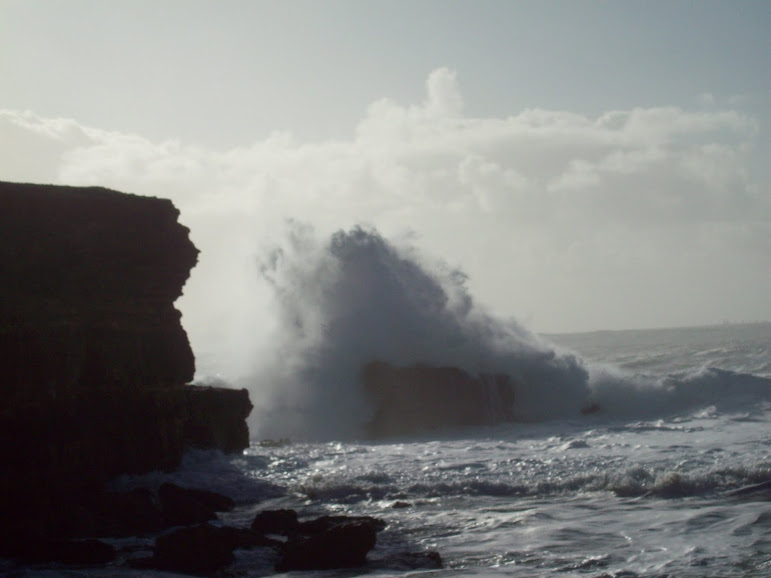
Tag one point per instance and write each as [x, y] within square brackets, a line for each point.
[589, 165]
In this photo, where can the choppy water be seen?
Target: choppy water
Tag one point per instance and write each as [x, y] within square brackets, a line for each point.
[596, 495]
[656, 482]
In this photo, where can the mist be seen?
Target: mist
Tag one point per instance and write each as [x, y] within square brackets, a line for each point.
[333, 304]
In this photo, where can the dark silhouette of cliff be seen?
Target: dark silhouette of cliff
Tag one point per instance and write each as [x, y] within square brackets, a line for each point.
[94, 361]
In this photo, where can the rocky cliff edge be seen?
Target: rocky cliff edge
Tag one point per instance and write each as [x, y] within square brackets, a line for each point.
[94, 361]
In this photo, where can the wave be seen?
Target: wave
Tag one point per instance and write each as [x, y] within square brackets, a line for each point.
[638, 396]
[632, 482]
[358, 297]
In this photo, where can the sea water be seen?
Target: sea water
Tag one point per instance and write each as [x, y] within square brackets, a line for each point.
[633, 453]
[684, 493]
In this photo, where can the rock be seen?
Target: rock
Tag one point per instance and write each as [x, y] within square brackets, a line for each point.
[200, 550]
[144, 511]
[415, 560]
[409, 400]
[282, 522]
[325, 523]
[184, 506]
[83, 552]
[344, 545]
[94, 360]
[271, 443]
[64, 551]
[90, 277]
[761, 490]
[216, 418]
[131, 513]
[591, 408]
[245, 538]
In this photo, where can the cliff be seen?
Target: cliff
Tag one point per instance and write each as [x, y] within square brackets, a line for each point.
[93, 356]
[409, 400]
[90, 277]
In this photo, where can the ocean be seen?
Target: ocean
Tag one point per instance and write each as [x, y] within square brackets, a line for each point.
[631, 453]
[674, 492]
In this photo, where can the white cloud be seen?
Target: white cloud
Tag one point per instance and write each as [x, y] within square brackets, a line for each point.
[444, 97]
[554, 214]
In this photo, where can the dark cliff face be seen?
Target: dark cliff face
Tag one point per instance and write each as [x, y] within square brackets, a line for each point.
[90, 277]
[93, 357]
[410, 400]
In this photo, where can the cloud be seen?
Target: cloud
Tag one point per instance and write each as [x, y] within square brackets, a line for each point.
[31, 147]
[554, 214]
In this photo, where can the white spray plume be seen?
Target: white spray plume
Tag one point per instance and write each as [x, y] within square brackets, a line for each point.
[359, 298]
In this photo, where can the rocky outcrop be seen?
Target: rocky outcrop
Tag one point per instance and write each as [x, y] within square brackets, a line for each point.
[409, 400]
[324, 543]
[199, 550]
[215, 417]
[94, 361]
[80, 552]
[341, 545]
[90, 277]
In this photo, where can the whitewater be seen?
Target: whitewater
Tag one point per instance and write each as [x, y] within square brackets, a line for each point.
[686, 494]
[632, 454]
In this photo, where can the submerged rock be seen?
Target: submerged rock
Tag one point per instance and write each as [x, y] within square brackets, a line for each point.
[429, 559]
[409, 400]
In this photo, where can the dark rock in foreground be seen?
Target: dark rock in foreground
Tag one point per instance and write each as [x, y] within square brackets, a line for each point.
[185, 506]
[326, 523]
[409, 400]
[200, 549]
[93, 357]
[144, 511]
[132, 513]
[281, 522]
[81, 552]
[323, 543]
[343, 545]
[430, 559]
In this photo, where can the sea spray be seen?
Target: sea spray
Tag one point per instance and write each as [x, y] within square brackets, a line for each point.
[323, 309]
[358, 298]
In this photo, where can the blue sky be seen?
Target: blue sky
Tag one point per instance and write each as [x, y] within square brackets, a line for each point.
[590, 165]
